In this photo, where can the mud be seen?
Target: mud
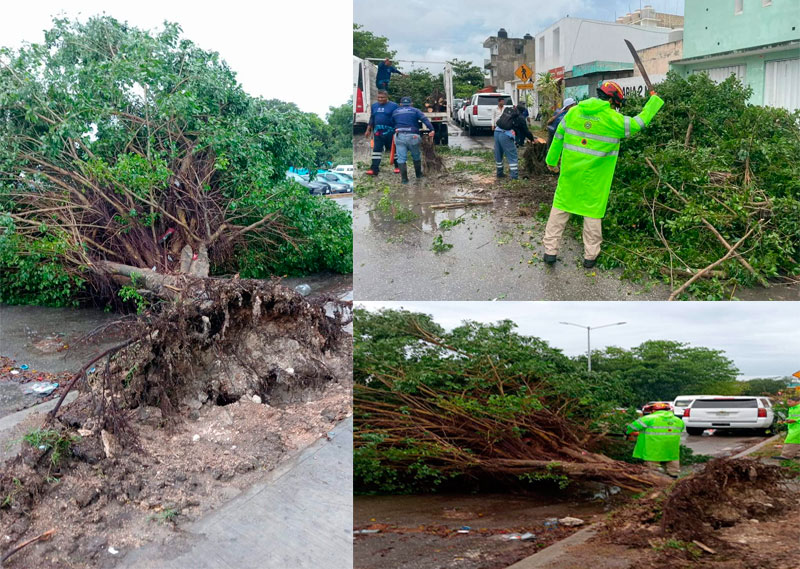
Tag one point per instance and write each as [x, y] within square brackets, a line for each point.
[422, 531]
[496, 249]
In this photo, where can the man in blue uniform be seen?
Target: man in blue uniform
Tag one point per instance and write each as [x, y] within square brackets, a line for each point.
[382, 124]
[385, 70]
[406, 125]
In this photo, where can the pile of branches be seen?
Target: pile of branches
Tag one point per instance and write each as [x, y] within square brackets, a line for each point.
[462, 409]
[708, 196]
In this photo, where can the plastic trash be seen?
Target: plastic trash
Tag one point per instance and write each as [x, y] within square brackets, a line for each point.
[708, 432]
[571, 522]
[365, 531]
[44, 388]
[519, 536]
[23, 367]
[112, 550]
[14, 372]
[303, 289]
[464, 529]
[551, 523]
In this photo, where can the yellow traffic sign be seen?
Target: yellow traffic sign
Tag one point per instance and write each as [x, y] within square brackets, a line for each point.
[524, 85]
[524, 73]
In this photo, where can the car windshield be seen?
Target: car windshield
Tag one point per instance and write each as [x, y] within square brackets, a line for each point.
[682, 402]
[346, 176]
[725, 404]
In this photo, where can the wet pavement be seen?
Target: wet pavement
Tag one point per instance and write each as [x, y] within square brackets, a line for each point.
[343, 200]
[721, 444]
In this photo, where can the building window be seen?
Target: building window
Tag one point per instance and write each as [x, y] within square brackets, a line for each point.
[517, 49]
[738, 6]
[556, 42]
[495, 50]
[541, 48]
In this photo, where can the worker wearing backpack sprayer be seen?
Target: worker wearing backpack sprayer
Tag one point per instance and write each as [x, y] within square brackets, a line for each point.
[659, 439]
[587, 142]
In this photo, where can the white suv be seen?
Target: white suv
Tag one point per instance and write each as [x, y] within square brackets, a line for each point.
[478, 113]
[727, 412]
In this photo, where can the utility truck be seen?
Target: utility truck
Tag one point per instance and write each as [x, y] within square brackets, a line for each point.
[365, 91]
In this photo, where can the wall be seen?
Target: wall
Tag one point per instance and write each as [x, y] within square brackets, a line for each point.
[656, 59]
[505, 62]
[754, 72]
[649, 17]
[583, 41]
[712, 27]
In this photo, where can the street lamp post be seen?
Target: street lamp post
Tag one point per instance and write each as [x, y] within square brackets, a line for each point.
[589, 337]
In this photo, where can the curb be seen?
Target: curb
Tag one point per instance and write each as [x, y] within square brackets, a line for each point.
[543, 559]
[754, 448]
[10, 421]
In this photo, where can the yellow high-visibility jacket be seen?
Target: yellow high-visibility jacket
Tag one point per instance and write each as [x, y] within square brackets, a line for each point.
[587, 140]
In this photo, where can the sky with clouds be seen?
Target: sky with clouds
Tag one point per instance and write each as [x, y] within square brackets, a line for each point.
[448, 29]
[300, 53]
[762, 338]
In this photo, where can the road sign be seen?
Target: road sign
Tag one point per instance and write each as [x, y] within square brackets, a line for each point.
[524, 85]
[524, 73]
[557, 72]
[796, 374]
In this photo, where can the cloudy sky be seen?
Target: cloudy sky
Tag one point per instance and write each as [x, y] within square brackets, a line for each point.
[447, 29]
[294, 52]
[762, 338]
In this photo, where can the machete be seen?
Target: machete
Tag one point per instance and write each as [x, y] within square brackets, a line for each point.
[640, 65]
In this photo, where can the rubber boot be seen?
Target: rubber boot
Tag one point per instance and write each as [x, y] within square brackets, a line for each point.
[403, 173]
[375, 169]
[418, 168]
[500, 173]
[550, 259]
[589, 263]
[396, 167]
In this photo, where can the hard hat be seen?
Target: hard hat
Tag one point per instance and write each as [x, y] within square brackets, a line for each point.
[612, 90]
[660, 406]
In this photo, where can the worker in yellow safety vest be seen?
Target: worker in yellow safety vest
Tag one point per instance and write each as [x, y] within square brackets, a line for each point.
[658, 439]
[587, 141]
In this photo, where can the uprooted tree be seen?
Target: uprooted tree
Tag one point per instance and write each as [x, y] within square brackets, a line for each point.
[123, 151]
[431, 406]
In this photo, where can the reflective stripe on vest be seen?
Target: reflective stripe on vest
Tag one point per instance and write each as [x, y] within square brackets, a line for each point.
[592, 136]
[559, 135]
[590, 151]
[639, 121]
[627, 127]
[647, 433]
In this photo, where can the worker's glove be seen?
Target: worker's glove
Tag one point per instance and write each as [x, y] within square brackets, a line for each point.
[431, 134]
[632, 436]
[553, 169]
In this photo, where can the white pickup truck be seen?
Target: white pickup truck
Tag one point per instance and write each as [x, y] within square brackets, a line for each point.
[365, 72]
[728, 412]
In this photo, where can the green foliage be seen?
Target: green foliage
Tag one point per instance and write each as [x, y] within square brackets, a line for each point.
[366, 44]
[129, 293]
[167, 515]
[439, 246]
[552, 474]
[448, 224]
[763, 386]
[399, 212]
[660, 370]
[687, 456]
[418, 84]
[549, 94]
[755, 148]
[467, 78]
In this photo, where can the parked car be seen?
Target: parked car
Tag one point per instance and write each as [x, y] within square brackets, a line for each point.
[344, 168]
[479, 112]
[315, 188]
[648, 407]
[462, 111]
[728, 412]
[682, 402]
[335, 187]
[337, 179]
[457, 104]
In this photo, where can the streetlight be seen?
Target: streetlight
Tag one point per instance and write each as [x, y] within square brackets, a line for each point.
[589, 336]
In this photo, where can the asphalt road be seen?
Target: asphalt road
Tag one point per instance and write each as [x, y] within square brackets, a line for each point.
[722, 444]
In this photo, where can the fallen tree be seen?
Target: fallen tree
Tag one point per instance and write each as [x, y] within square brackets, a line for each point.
[123, 147]
[480, 400]
[707, 197]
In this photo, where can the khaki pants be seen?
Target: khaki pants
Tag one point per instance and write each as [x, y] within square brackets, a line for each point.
[791, 450]
[592, 233]
[673, 467]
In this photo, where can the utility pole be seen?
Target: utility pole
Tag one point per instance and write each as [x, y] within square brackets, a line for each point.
[589, 337]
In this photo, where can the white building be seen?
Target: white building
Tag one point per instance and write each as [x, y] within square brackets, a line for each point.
[577, 41]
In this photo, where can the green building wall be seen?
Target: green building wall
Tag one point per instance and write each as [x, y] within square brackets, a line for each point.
[711, 26]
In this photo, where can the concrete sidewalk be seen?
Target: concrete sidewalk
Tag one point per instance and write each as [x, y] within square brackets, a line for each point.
[302, 517]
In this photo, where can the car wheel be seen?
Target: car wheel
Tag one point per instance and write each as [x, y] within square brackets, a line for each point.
[695, 431]
[470, 130]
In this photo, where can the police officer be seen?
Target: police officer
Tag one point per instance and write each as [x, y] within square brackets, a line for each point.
[659, 439]
[587, 141]
[407, 137]
[382, 124]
